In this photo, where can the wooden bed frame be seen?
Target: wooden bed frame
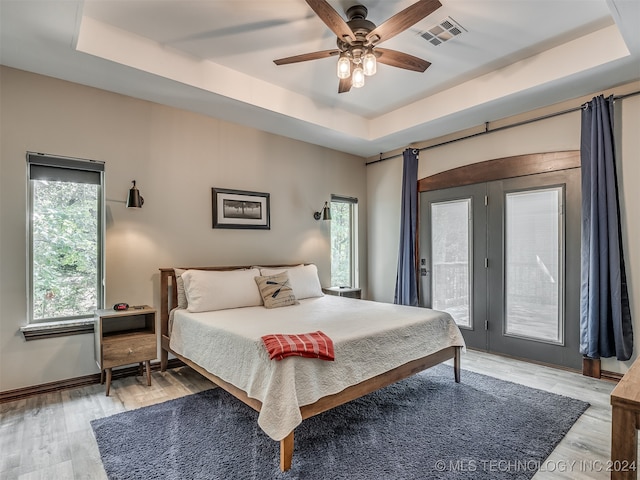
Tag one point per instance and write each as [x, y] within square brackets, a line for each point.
[169, 298]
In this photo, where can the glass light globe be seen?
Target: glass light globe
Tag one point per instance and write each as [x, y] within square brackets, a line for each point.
[344, 67]
[357, 79]
[369, 64]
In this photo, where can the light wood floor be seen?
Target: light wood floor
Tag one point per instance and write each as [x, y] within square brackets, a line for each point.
[49, 436]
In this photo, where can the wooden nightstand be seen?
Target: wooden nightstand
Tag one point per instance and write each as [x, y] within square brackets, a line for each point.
[125, 337]
[343, 292]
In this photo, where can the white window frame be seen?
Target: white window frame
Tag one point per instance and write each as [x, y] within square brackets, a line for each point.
[63, 325]
[354, 267]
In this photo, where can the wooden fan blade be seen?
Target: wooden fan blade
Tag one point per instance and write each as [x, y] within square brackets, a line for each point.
[402, 20]
[401, 60]
[306, 56]
[332, 19]
[345, 85]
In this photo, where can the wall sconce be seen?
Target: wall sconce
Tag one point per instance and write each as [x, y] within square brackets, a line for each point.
[134, 200]
[325, 214]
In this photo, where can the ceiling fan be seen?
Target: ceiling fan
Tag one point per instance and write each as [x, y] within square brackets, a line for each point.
[358, 40]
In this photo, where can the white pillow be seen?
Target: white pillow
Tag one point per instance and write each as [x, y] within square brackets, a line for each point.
[182, 297]
[209, 290]
[304, 280]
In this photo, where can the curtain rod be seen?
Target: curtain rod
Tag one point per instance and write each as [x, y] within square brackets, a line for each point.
[504, 127]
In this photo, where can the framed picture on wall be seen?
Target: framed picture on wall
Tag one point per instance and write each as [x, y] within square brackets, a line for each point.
[240, 209]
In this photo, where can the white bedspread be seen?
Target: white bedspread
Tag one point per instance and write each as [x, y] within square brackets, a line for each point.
[369, 338]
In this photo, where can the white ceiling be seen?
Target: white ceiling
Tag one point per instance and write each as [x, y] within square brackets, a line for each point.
[216, 57]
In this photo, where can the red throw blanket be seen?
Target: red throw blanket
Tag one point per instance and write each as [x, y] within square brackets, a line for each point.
[311, 345]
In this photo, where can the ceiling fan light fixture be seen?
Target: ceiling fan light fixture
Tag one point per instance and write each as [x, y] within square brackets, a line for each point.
[357, 41]
[357, 78]
[344, 67]
[369, 64]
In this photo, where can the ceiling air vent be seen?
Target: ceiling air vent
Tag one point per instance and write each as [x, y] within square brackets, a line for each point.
[445, 30]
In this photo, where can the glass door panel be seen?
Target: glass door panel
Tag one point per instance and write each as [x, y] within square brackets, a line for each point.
[533, 259]
[453, 242]
[534, 267]
[451, 257]
[503, 258]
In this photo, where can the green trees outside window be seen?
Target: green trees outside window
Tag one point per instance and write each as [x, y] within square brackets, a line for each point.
[65, 249]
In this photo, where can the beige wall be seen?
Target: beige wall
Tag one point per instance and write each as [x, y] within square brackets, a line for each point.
[384, 191]
[176, 157]
[553, 134]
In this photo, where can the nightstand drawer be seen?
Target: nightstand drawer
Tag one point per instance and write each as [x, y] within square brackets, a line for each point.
[129, 348]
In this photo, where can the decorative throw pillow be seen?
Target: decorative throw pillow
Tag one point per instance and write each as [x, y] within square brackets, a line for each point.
[182, 296]
[304, 280]
[276, 290]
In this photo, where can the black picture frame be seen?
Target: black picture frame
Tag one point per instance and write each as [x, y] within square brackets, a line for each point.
[240, 209]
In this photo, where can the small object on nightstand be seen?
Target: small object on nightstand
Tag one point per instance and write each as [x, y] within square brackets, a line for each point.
[349, 292]
[120, 306]
[125, 337]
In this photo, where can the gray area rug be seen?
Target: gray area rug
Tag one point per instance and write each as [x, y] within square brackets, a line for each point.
[425, 427]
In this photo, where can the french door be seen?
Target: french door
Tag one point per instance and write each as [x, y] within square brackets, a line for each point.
[503, 259]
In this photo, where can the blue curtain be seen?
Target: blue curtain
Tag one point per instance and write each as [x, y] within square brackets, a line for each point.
[406, 284]
[605, 316]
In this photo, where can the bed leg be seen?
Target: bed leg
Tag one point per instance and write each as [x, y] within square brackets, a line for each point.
[456, 364]
[286, 452]
[164, 359]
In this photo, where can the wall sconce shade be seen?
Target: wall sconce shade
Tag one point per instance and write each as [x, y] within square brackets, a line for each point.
[325, 214]
[134, 199]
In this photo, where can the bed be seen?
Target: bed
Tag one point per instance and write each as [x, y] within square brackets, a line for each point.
[220, 336]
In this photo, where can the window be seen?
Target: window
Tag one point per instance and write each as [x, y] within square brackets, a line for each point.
[451, 254]
[66, 231]
[344, 241]
[533, 264]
